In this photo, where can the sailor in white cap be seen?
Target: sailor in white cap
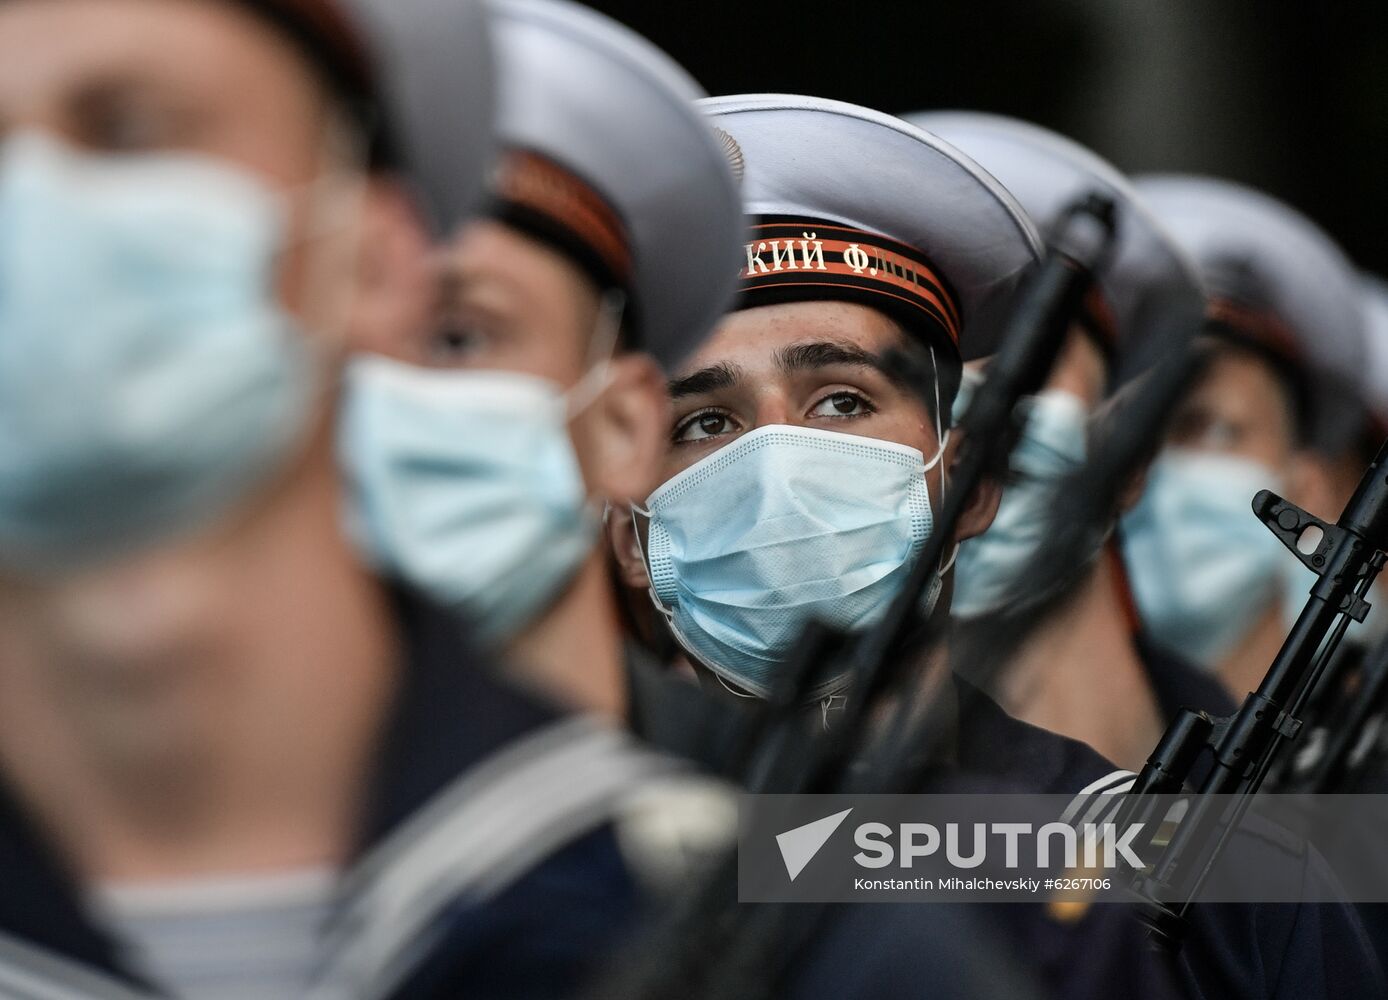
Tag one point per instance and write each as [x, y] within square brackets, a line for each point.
[1278, 408]
[1088, 672]
[234, 763]
[187, 194]
[1375, 293]
[800, 478]
[483, 457]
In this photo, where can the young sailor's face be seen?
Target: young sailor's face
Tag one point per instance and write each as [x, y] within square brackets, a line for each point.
[807, 364]
[508, 302]
[1239, 408]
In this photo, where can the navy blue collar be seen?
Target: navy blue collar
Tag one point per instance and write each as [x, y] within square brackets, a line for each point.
[448, 715]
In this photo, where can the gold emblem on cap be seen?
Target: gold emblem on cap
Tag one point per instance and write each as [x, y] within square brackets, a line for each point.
[733, 152]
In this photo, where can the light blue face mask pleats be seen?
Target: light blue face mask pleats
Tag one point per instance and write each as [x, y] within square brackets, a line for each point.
[784, 526]
[1203, 567]
[148, 378]
[465, 484]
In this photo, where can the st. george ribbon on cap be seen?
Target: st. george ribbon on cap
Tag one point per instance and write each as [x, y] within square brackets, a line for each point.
[1150, 280]
[850, 204]
[1272, 277]
[605, 156]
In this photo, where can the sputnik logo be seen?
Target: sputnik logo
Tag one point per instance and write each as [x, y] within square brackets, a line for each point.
[799, 846]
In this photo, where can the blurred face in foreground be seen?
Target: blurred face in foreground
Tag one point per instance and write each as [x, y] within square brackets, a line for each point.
[1238, 408]
[180, 642]
[136, 77]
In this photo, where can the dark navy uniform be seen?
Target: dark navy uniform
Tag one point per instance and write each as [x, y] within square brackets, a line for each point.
[435, 902]
[1178, 683]
[681, 717]
[1267, 950]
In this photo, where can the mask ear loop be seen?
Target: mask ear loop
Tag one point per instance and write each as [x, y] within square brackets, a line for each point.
[638, 511]
[585, 392]
[949, 563]
[941, 434]
[596, 379]
[730, 689]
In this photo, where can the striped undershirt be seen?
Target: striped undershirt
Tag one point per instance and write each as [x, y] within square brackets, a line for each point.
[224, 939]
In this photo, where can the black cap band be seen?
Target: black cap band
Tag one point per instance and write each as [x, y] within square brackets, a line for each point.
[795, 259]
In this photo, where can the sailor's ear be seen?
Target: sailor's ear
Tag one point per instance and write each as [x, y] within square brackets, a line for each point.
[1132, 493]
[621, 438]
[983, 508]
[394, 277]
[626, 548]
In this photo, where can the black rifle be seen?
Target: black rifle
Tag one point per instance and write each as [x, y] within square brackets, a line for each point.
[1162, 364]
[1086, 505]
[717, 949]
[1080, 245]
[1334, 769]
[1243, 746]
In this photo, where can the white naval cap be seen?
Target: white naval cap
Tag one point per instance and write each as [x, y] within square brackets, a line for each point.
[1273, 277]
[1150, 278]
[1375, 297]
[606, 157]
[848, 203]
[428, 93]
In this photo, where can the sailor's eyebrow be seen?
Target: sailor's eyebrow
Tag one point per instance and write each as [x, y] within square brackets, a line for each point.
[721, 375]
[824, 354]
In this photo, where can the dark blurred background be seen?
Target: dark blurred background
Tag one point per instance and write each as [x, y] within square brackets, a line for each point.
[1289, 98]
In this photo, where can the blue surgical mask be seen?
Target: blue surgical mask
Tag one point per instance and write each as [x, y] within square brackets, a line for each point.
[783, 526]
[1203, 567]
[466, 485]
[1052, 446]
[149, 381]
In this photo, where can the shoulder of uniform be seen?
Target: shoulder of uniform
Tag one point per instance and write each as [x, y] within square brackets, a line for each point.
[501, 820]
